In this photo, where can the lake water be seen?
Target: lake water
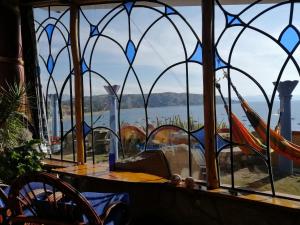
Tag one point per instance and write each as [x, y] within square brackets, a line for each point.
[137, 115]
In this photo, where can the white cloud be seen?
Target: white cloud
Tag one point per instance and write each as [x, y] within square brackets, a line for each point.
[161, 47]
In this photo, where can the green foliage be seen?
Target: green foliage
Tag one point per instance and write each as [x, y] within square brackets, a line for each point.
[12, 127]
[10, 101]
[222, 125]
[10, 133]
[17, 154]
[177, 121]
[17, 161]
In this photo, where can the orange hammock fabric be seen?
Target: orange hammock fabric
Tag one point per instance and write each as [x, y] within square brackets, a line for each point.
[242, 136]
[277, 142]
[130, 131]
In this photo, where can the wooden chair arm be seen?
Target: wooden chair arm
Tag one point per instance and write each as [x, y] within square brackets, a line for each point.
[111, 207]
[61, 188]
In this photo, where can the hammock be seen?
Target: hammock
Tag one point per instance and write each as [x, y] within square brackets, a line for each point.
[277, 142]
[240, 134]
[245, 139]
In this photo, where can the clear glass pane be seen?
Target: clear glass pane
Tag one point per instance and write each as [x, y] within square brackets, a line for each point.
[148, 49]
[259, 55]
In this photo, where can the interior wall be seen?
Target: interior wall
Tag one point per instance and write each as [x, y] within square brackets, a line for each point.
[11, 63]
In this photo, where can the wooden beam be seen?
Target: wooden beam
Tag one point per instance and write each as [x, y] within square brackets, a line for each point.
[74, 13]
[209, 92]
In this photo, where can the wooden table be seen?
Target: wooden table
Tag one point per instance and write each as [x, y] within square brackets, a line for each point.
[98, 175]
[150, 195]
[50, 164]
[145, 190]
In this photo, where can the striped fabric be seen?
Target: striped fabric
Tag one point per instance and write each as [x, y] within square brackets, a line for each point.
[244, 138]
[277, 142]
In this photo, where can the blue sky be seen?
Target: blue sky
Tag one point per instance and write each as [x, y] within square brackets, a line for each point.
[161, 47]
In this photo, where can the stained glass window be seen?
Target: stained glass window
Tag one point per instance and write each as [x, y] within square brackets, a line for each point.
[141, 65]
[257, 70]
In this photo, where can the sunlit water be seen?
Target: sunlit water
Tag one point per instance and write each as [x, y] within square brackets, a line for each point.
[163, 114]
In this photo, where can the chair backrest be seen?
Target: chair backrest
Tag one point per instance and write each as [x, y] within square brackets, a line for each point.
[3, 197]
[45, 199]
[3, 205]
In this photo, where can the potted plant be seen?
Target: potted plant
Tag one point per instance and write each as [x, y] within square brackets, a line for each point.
[18, 152]
[20, 160]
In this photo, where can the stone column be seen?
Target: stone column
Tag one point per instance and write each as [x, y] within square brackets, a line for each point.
[54, 109]
[285, 89]
[113, 147]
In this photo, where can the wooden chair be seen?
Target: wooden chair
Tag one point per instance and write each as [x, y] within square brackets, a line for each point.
[59, 203]
[3, 203]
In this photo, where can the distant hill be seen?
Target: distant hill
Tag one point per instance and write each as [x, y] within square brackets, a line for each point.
[100, 102]
[261, 98]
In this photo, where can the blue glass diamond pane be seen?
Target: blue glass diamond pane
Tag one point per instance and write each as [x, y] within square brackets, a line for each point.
[197, 55]
[49, 30]
[289, 38]
[236, 21]
[169, 11]
[219, 63]
[50, 64]
[128, 6]
[229, 19]
[221, 143]
[130, 51]
[86, 129]
[84, 67]
[232, 20]
[93, 30]
[200, 136]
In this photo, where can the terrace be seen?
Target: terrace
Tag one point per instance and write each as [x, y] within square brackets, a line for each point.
[190, 107]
